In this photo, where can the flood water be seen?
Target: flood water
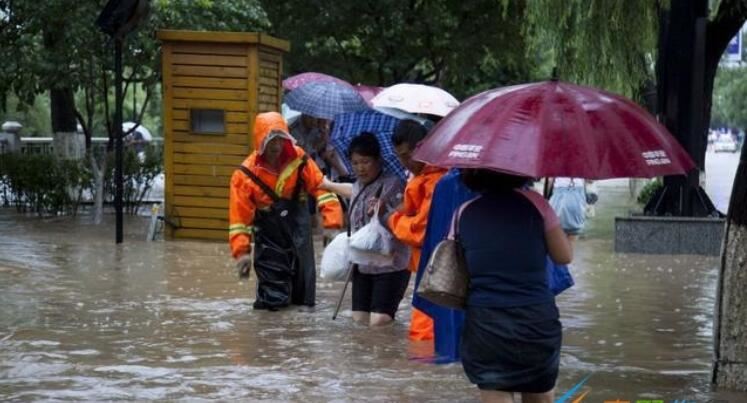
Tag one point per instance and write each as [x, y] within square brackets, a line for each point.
[83, 319]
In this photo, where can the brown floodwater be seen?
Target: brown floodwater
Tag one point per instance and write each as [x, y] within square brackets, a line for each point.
[83, 319]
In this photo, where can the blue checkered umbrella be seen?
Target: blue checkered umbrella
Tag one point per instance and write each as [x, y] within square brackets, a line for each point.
[325, 99]
[350, 125]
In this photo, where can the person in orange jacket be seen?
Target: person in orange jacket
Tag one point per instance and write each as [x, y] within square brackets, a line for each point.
[408, 224]
[268, 202]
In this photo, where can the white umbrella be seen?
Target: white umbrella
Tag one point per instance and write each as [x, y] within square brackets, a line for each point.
[416, 98]
[402, 115]
[290, 115]
[127, 126]
[11, 126]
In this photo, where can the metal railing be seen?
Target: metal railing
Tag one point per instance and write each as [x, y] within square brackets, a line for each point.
[45, 145]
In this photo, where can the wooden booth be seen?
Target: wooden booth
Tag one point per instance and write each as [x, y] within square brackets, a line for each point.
[214, 84]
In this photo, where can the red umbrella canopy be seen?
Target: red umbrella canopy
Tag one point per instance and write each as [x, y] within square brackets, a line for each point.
[550, 129]
[293, 82]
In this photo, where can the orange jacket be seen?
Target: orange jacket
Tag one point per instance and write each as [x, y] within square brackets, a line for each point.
[246, 196]
[408, 224]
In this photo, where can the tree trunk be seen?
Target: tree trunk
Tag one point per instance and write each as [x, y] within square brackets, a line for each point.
[730, 319]
[64, 124]
[679, 90]
[690, 49]
[62, 101]
[99, 175]
[63, 110]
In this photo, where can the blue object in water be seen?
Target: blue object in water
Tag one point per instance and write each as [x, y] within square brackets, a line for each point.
[558, 277]
[449, 194]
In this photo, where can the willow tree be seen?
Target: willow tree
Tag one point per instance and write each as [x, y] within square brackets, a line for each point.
[605, 44]
[628, 46]
[679, 43]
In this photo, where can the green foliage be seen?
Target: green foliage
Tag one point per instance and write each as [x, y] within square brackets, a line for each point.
[730, 98]
[607, 44]
[212, 15]
[57, 45]
[47, 185]
[43, 184]
[34, 117]
[138, 176]
[463, 46]
[648, 191]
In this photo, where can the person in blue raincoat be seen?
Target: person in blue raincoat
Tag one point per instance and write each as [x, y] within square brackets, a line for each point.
[450, 193]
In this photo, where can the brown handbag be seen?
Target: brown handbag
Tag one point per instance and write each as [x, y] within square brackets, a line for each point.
[446, 280]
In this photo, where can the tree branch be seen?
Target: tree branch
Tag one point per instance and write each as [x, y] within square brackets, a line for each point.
[730, 18]
[109, 128]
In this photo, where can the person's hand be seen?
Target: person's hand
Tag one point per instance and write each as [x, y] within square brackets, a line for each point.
[373, 204]
[244, 265]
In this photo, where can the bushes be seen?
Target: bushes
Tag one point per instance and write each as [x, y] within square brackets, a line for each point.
[648, 191]
[48, 185]
[43, 184]
[139, 172]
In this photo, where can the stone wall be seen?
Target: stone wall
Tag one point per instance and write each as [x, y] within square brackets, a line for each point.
[669, 235]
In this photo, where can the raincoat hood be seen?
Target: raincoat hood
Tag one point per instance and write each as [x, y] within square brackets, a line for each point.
[267, 123]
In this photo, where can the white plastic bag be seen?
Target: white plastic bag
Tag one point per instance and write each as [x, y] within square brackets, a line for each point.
[372, 245]
[335, 259]
[374, 259]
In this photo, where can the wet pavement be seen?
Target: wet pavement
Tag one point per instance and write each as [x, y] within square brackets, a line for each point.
[85, 320]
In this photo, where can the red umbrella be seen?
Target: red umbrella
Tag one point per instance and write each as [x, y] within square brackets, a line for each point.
[293, 82]
[368, 92]
[552, 128]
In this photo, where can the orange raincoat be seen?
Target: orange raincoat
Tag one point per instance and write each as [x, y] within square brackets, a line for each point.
[408, 225]
[246, 196]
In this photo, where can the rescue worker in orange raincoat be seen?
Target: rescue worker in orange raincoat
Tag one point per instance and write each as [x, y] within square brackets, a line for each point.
[268, 201]
[408, 224]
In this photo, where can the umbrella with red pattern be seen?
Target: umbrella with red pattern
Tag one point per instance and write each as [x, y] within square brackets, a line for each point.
[551, 129]
[293, 82]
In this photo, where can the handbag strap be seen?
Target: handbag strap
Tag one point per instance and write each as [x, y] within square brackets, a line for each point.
[454, 230]
[357, 197]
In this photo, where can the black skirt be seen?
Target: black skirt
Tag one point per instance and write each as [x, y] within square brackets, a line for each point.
[512, 349]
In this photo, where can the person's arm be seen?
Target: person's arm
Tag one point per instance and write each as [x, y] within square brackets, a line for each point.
[241, 216]
[343, 189]
[408, 226]
[327, 202]
[548, 188]
[558, 246]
